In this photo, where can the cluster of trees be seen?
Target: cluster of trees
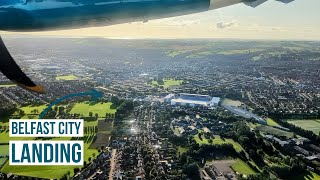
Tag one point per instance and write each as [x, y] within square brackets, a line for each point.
[6, 112]
[110, 116]
[124, 109]
[258, 149]
[294, 168]
[4, 128]
[277, 115]
[90, 130]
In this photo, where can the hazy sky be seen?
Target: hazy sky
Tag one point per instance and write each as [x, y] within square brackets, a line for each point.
[299, 20]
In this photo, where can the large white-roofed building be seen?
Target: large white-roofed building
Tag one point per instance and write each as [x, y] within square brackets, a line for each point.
[192, 100]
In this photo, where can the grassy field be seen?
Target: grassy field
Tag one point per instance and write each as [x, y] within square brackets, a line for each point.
[67, 78]
[2, 160]
[4, 137]
[50, 172]
[86, 107]
[29, 109]
[240, 51]
[4, 149]
[273, 131]
[271, 122]
[218, 140]
[167, 83]
[242, 168]
[311, 125]
[7, 85]
[176, 52]
[31, 112]
[231, 102]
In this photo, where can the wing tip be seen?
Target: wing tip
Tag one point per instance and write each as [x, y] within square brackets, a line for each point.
[37, 88]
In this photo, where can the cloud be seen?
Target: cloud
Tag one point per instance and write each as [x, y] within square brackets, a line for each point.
[223, 25]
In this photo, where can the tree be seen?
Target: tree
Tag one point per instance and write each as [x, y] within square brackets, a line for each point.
[115, 100]
[21, 113]
[76, 170]
[90, 114]
[192, 171]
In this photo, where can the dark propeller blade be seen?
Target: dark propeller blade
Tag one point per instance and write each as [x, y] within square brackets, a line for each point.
[13, 72]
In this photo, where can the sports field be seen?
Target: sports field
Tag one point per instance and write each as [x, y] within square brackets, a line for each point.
[307, 124]
[242, 168]
[67, 78]
[218, 140]
[85, 107]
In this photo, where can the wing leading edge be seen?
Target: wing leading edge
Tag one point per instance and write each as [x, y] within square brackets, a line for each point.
[13, 72]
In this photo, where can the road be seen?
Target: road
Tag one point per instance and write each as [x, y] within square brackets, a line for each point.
[112, 163]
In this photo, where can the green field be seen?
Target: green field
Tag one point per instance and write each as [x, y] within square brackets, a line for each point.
[29, 109]
[67, 77]
[167, 83]
[4, 149]
[86, 107]
[218, 140]
[231, 102]
[53, 172]
[271, 122]
[242, 168]
[311, 125]
[50, 172]
[176, 53]
[31, 112]
[273, 131]
[240, 51]
[2, 160]
[7, 85]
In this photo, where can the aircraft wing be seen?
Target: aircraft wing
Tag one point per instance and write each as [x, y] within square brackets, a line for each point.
[13, 72]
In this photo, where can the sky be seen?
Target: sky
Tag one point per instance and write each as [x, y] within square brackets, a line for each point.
[272, 20]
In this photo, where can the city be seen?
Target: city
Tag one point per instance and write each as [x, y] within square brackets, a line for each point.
[173, 109]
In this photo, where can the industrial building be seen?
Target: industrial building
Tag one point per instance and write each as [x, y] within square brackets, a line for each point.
[192, 100]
